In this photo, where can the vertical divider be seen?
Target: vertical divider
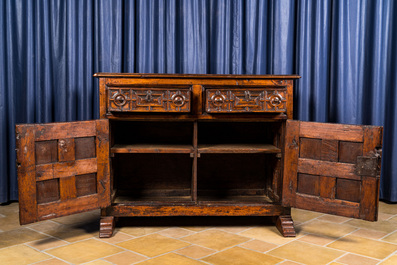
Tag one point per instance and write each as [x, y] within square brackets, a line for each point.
[194, 167]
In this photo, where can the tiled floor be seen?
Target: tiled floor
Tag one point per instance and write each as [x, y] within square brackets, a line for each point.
[321, 239]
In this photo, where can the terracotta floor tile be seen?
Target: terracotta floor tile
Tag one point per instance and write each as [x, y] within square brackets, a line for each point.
[153, 245]
[364, 246]
[326, 229]
[195, 252]
[46, 226]
[333, 218]
[21, 255]
[52, 262]
[73, 234]
[233, 229]
[390, 261]
[98, 262]
[392, 238]
[352, 259]
[369, 233]
[19, 236]
[215, 239]
[288, 262]
[47, 243]
[306, 253]
[316, 239]
[84, 251]
[302, 216]
[74, 219]
[390, 208]
[383, 226]
[116, 238]
[125, 258]
[237, 256]
[8, 209]
[175, 232]
[171, 259]
[140, 231]
[9, 223]
[384, 216]
[258, 245]
[196, 228]
[268, 234]
[393, 219]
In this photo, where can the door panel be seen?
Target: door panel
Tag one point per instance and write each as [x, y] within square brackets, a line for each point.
[63, 168]
[332, 168]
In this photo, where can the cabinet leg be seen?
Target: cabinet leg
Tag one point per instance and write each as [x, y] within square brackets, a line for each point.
[106, 226]
[285, 225]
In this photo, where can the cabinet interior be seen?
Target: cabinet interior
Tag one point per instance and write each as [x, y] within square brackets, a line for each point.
[196, 162]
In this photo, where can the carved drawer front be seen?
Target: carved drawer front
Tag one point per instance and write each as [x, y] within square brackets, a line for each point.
[246, 100]
[122, 99]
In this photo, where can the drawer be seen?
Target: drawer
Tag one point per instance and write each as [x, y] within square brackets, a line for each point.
[122, 99]
[246, 100]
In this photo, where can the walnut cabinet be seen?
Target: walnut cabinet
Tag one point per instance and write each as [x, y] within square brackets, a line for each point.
[197, 145]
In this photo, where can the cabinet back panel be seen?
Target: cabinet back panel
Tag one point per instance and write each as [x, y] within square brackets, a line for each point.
[153, 171]
[238, 132]
[234, 174]
[137, 132]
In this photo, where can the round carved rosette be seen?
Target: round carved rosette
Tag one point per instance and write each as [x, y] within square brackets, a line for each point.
[178, 100]
[119, 99]
[218, 100]
[275, 100]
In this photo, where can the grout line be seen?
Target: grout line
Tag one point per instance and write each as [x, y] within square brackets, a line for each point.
[216, 251]
[51, 256]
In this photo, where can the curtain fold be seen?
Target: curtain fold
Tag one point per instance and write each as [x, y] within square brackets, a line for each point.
[345, 52]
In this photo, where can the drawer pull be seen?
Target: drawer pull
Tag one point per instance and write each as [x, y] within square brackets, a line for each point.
[119, 100]
[275, 100]
[218, 99]
[178, 99]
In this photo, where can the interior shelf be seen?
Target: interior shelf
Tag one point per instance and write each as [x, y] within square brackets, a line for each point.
[234, 199]
[238, 148]
[152, 199]
[152, 148]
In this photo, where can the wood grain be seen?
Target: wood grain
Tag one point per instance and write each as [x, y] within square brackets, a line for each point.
[66, 169]
[52, 210]
[329, 206]
[329, 131]
[152, 148]
[68, 188]
[326, 168]
[202, 210]
[66, 149]
[291, 154]
[46, 152]
[63, 130]
[238, 148]
[25, 147]
[103, 168]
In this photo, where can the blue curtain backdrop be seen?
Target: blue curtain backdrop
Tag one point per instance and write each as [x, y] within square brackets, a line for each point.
[345, 51]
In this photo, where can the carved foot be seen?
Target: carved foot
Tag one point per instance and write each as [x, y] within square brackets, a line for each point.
[285, 225]
[106, 226]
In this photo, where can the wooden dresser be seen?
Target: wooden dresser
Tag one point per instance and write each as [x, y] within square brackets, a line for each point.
[197, 145]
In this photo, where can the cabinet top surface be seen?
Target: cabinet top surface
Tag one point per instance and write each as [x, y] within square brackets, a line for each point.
[216, 76]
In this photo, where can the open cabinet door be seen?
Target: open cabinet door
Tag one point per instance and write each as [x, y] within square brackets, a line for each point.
[63, 168]
[332, 168]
